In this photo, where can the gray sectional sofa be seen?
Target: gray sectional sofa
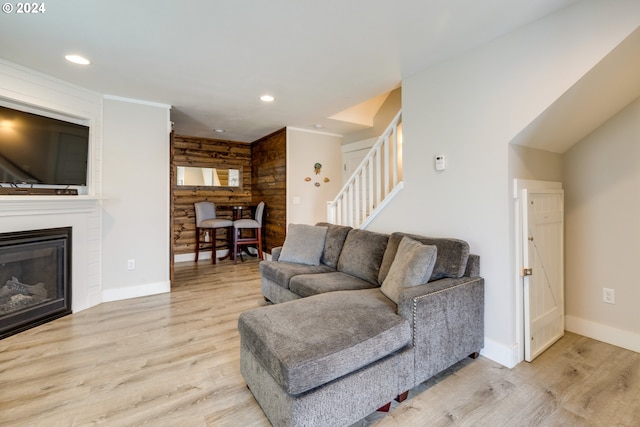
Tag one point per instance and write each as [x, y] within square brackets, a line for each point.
[358, 319]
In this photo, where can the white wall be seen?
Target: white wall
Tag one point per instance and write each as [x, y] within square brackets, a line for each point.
[136, 205]
[534, 164]
[602, 205]
[304, 149]
[470, 108]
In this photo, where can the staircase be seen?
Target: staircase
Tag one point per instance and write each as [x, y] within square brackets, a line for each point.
[373, 184]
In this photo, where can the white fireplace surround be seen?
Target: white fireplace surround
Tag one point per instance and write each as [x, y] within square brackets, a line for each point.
[82, 214]
[107, 221]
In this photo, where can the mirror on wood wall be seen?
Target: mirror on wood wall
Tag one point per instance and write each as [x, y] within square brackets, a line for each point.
[208, 177]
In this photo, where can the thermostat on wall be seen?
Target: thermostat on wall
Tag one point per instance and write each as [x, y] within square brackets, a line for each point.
[440, 162]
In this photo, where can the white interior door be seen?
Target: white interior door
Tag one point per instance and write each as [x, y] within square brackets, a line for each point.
[352, 160]
[353, 154]
[543, 272]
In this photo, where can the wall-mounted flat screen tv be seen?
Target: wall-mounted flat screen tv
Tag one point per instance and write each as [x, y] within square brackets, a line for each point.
[35, 149]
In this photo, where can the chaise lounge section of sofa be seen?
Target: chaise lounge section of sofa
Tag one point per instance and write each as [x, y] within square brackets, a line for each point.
[339, 341]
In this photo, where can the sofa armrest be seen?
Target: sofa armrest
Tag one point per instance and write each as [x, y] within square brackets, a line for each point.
[275, 253]
[473, 266]
[447, 321]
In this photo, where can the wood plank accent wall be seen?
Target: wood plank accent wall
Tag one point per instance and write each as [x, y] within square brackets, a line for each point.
[269, 183]
[205, 152]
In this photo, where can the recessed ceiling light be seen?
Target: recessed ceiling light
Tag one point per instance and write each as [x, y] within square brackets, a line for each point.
[219, 130]
[267, 98]
[318, 126]
[77, 59]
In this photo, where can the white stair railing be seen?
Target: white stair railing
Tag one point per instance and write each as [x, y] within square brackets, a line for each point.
[374, 182]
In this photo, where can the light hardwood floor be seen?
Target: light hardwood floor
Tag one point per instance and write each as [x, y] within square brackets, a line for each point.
[173, 360]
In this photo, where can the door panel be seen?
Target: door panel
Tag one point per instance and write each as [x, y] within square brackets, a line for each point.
[543, 249]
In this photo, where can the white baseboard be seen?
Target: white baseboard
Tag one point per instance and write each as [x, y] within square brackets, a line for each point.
[135, 291]
[610, 335]
[508, 355]
[191, 257]
[503, 354]
[202, 255]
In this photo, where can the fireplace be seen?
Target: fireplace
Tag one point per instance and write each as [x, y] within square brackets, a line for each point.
[35, 278]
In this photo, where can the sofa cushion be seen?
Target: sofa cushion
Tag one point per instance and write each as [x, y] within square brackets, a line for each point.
[336, 235]
[281, 272]
[451, 261]
[311, 341]
[304, 244]
[362, 254]
[312, 284]
[412, 266]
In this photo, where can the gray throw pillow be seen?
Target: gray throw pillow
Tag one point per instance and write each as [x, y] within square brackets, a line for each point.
[412, 266]
[304, 244]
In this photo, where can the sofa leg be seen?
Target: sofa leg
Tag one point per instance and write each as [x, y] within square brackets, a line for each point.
[384, 408]
[474, 355]
[402, 397]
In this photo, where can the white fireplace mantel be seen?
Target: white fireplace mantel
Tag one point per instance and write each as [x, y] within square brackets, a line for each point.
[42, 205]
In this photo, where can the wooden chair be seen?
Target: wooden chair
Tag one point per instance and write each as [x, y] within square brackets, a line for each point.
[254, 238]
[206, 221]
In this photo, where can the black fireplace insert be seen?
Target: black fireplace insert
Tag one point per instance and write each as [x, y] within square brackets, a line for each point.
[35, 278]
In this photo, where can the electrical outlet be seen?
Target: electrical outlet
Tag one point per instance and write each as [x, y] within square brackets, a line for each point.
[131, 264]
[608, 296]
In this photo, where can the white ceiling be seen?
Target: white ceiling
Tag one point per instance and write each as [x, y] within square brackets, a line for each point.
[211, 60]
[601, 93]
